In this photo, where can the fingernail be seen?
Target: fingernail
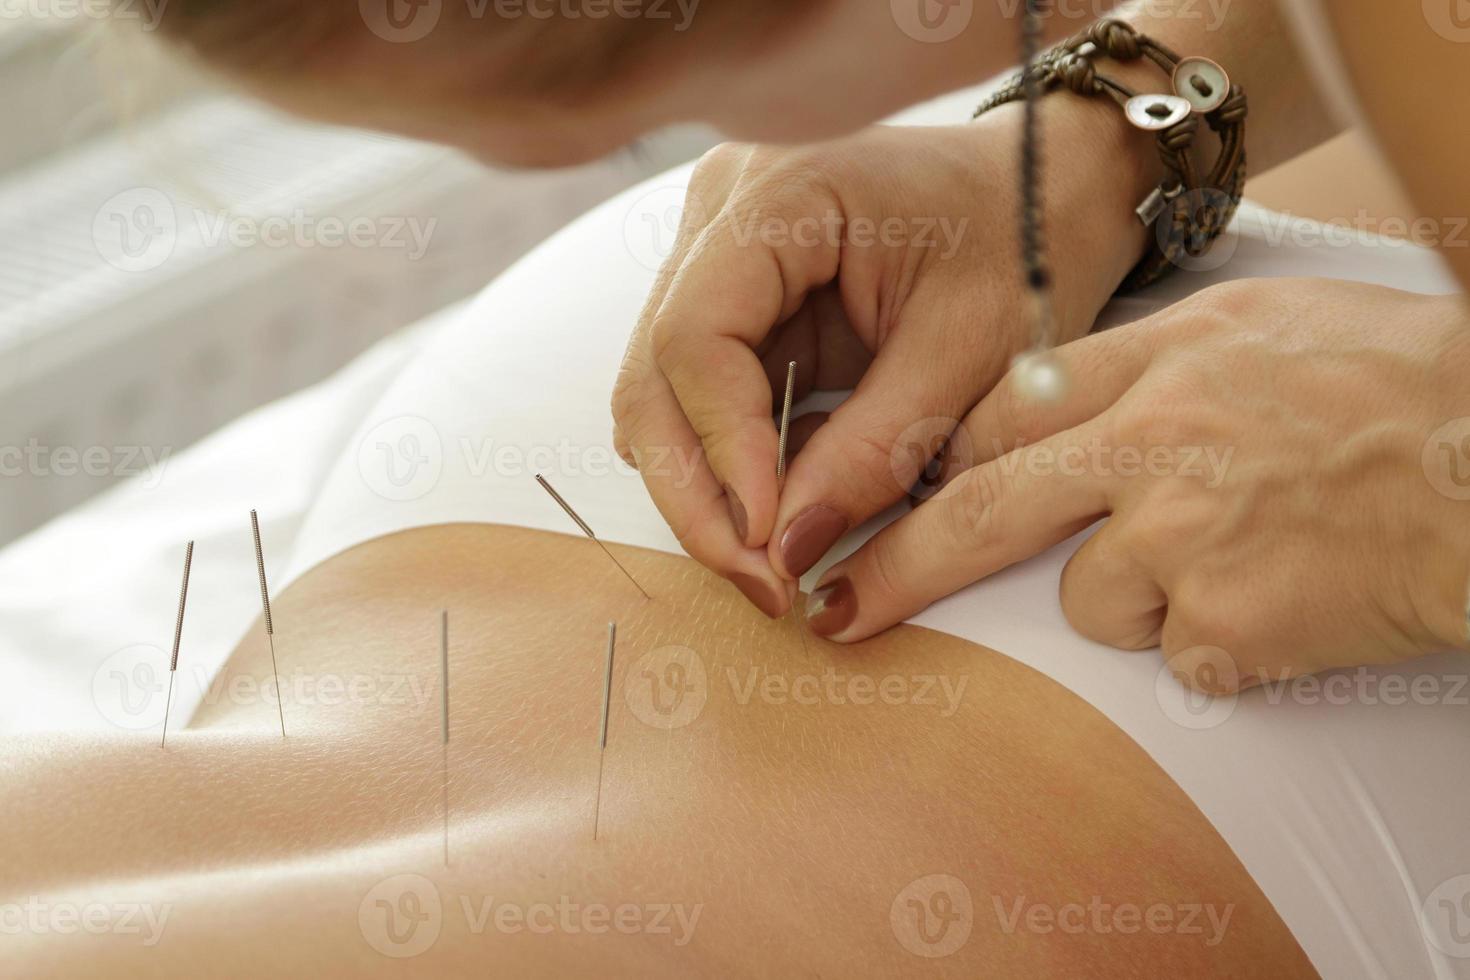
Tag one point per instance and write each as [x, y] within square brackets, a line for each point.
[832, 608]
[809, 537]
[761, 595]
[737, 513]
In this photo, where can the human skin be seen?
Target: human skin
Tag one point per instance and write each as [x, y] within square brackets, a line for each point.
[512, 94]
[919, 334]
[790, 823]
[1331, 530]
[839, 67]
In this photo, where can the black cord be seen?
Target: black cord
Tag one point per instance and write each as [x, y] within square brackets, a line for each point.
[1033, 259]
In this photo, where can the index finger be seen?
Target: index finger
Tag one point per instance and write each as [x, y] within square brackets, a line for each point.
[732, 291]
[672, 465]
[988, 518]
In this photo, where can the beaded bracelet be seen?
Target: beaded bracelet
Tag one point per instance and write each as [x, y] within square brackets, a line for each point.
[1188, 210]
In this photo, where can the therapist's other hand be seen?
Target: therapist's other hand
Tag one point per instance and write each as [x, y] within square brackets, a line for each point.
[1283, 462]
[885, 262]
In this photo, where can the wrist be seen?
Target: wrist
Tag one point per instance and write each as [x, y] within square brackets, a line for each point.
[1096, 169]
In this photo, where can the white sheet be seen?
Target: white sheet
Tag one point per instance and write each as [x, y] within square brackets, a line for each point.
[88, 602]
[1347, 815]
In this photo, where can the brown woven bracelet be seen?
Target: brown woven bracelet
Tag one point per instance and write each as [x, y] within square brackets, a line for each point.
[1188, 210]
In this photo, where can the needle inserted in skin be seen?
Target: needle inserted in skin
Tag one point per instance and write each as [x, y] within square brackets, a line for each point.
[785, 421]
[588, 531]
[270, 629]
[612, 639]
[173, 665]
[444, 724]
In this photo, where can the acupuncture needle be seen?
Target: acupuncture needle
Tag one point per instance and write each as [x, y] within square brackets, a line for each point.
[444, 724]
[173, 665]
[785, 422]
[781, 467]
[612, 639]
[270, 629]
[588, 531]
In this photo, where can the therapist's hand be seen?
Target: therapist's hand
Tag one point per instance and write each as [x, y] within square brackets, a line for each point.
[1286, 463]
[887, 262]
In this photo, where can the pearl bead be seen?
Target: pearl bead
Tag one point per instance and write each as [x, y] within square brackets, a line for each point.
[1039, 377]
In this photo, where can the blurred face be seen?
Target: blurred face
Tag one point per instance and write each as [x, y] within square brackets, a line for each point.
[557, 82]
